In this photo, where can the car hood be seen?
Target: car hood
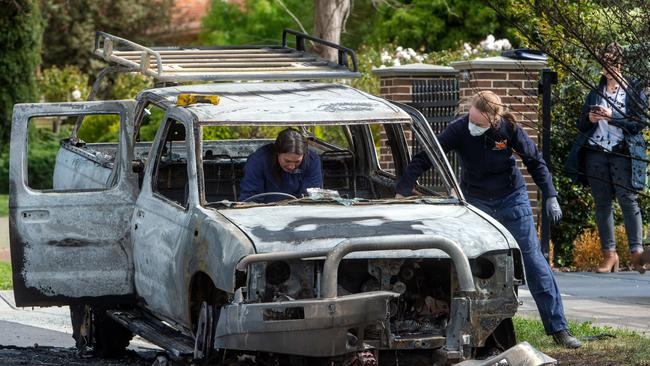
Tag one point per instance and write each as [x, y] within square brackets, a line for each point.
[321, 226]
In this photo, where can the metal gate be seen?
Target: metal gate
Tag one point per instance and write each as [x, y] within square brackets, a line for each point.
[438, 101]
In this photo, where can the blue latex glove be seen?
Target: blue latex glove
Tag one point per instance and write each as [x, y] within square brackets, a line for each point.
[553, 209]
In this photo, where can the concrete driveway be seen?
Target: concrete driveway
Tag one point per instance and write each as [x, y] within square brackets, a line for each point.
[619, 300]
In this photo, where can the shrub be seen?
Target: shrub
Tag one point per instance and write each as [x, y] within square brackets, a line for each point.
[20, 41]
[587, 254]
[65, 84]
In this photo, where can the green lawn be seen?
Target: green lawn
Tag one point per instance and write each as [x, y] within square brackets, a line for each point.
[4, 205]
[5, 276]
[601, 345]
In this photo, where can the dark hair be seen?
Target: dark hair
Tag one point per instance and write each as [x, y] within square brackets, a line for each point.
[288, 141]
[613, 54]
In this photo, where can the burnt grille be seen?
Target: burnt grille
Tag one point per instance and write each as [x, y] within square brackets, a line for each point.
[437, 99]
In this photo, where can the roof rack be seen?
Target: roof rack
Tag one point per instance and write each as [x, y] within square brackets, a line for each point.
[220, 63]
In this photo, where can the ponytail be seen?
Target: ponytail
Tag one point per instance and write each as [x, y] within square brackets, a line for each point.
[489, 102]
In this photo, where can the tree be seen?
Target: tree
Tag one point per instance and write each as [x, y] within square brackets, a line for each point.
[434, 25]
[71, 25]
[256, 22]
[20, 42]
[329, 20]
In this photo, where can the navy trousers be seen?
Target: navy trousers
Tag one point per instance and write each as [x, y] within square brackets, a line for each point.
[514, 212]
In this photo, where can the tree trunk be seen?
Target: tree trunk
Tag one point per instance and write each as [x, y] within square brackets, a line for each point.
[329, 21]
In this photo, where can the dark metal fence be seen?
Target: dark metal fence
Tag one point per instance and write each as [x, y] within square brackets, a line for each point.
[438, 101]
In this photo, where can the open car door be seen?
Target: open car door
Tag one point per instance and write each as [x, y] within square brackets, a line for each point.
[71, 243]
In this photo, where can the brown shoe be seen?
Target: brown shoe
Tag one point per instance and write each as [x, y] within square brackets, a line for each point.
[610, 262]
[638, 262]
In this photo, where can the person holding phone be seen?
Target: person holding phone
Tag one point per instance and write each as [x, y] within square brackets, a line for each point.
[609, 155]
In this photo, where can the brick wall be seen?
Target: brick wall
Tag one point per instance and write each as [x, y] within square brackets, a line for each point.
[396, 84]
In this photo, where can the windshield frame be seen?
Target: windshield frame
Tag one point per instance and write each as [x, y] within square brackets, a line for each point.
[422, 130]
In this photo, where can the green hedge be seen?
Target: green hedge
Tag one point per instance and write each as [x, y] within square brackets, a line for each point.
[20, 41]
[21, 29]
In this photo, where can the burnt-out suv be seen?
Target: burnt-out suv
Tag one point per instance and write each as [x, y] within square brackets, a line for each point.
[149, 237]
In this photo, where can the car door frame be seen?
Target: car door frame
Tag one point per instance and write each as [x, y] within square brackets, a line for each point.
[45, 234]
[158, 255]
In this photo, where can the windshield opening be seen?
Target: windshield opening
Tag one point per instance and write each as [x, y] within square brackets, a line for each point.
[345, 164]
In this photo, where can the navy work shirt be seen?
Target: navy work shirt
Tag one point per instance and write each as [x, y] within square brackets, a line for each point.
[488, 169]
[258, 175]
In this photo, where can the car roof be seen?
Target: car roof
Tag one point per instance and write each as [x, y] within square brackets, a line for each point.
[283, 103]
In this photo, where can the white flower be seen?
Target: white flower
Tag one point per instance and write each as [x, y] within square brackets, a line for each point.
[396, 62]
[76, 94]
[488, 43]
[502, 44]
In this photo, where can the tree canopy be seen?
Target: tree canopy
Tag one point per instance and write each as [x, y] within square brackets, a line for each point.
[20, 42]
[430, 25]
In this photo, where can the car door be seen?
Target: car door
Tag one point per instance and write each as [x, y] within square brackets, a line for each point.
[162, 218]
[72, 245]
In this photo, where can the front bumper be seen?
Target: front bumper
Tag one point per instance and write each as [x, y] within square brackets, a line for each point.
[333, 325]
[313, 327]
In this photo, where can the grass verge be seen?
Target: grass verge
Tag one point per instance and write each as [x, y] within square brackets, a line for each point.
[5, 276]
[4, 205]
[601, 345]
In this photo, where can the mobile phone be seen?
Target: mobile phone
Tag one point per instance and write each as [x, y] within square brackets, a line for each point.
[594, 108]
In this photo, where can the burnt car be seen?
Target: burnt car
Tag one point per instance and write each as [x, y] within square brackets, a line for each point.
[149, 238]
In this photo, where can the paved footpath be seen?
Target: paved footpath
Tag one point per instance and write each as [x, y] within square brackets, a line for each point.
[619, 300]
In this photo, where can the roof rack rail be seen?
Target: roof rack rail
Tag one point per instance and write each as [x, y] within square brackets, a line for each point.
[221, 63]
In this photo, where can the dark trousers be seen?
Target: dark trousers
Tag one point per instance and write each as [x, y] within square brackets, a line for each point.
[609, 176]
[514, 212]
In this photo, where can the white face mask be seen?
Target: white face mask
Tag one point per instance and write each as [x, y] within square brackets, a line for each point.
[476, 130]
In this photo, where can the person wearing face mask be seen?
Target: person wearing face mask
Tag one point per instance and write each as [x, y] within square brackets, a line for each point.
[485, 140]
[609, 155]
[285, 166]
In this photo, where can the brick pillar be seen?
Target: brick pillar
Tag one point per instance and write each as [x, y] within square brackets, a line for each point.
[396, 84]
[515, 81]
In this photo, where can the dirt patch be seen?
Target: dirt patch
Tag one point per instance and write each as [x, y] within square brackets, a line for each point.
[591, 358]
[5, 255]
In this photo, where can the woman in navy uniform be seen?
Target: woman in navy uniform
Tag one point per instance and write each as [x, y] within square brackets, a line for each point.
[285, 166]
[485, 140]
